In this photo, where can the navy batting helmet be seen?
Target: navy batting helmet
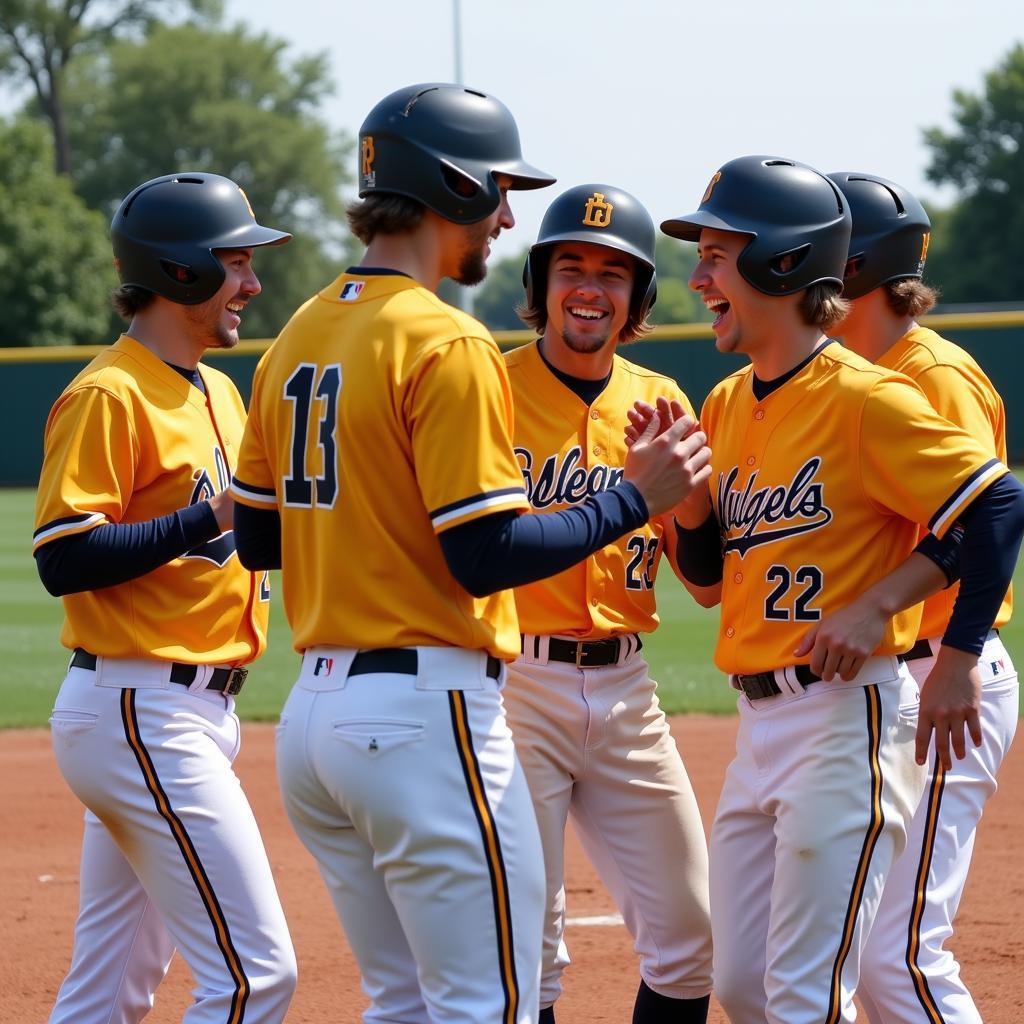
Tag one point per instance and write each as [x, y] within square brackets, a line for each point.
[601, 215]
[442, 145]
[166, 230]
[890, 232]
[788, 209]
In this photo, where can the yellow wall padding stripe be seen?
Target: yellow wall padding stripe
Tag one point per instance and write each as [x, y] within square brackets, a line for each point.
[492, 852]
[924, 994]
[874, 723]
[191, 857]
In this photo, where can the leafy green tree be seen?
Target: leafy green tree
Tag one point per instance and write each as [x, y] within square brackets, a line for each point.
[39, 38]
[976, 256]
[676, 304]
[495, 301]
[193, 98]
[56, 268]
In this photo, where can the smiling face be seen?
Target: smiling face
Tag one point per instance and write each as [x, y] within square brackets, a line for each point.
[589, 289]
[214, 323]
[742, 313]
[472, 265]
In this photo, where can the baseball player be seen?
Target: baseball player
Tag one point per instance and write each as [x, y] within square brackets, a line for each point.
[906, 974]
[588, 728]
[133, 529]
[823, 465]
[377, 469]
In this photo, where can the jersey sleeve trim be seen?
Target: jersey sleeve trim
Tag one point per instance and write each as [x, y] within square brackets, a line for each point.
[965, 494]
[66, 526]
[489, 501]
[253, 495]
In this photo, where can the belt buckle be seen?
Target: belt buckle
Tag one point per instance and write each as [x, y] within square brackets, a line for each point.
[580, 651]
[236, 679]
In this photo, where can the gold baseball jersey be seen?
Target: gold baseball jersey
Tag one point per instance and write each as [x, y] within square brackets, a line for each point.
[380, 417]
[567, 451]
[818, 490]
[958, 389]
[131, 440]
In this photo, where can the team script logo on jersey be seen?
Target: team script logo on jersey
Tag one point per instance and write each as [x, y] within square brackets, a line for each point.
[366, 162]
[598, 213]
[220, 549]
[563, 484]
[762, 515]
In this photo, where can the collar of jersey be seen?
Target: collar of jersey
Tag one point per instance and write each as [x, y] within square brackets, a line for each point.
[763, 388]
[163, 372]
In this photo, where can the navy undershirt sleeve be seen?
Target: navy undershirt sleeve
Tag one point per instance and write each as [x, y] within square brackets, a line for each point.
[117, 552]
[699, 552]
[993, 526]
[505, 549]
[258, 537]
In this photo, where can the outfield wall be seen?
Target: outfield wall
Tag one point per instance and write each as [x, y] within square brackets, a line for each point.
[34, 377]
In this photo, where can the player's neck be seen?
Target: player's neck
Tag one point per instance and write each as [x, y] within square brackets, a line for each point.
[784, 350]
[416, 253]
[872, 328]
[163, 335]
[582, 365]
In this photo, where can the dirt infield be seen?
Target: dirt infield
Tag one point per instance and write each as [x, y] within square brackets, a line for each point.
[41, 827]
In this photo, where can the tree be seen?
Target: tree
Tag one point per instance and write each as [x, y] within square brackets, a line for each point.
[193, 98]
[495, 301]
[978, 257]
[56, 269]
[38, 39]
[676, 304]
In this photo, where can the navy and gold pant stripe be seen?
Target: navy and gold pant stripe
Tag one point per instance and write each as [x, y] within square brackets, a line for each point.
[190, 856]
[871, 836]
[492, 852]
[924, 995]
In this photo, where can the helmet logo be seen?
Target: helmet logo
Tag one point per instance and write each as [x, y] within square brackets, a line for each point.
[247, 203]
[599, 211]
[715, 178]
[924, 251]
[368, 156]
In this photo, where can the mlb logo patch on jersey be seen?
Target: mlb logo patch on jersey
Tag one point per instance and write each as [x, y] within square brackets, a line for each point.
[351, 291]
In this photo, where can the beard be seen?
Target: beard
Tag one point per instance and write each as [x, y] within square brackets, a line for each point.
[205, 319]
[585, 344]
[473, 261]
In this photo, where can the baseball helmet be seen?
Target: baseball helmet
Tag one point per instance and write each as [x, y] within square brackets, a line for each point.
[890, 232]
[166, 230]
[442, 145]
[601, 215]
[788, 209]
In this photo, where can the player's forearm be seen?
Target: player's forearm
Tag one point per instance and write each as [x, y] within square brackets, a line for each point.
[910, 583]
[507, 550]
[118, 552]
[257, 537]
[993, 527]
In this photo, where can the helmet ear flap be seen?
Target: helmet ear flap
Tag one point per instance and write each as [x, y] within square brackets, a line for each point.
[650, 296]
[535, 278]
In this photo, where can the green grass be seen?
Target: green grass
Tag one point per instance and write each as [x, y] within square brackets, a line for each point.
[33, 661]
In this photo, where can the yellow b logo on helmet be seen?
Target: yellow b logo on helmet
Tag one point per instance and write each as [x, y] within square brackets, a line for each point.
[599, 211]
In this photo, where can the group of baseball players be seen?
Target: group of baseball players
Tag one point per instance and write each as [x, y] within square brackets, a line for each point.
[472, 676]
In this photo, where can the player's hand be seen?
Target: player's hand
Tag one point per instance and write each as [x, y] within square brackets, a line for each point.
[666, 465]
[642, 413]
[223, 505]
[950, 700]
[841, 642]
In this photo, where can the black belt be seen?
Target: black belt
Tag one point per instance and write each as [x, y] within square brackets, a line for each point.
[584, 653]
[762, 684]
[402, 661]
[922, 649]
[224, 680]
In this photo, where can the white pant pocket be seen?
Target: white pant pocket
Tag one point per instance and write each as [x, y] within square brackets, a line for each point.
[70, 724]
[376, 736]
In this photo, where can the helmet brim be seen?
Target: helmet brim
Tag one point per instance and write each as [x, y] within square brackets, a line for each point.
[524, 176]
[616, 243]
[689, 226]
[250, 236]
